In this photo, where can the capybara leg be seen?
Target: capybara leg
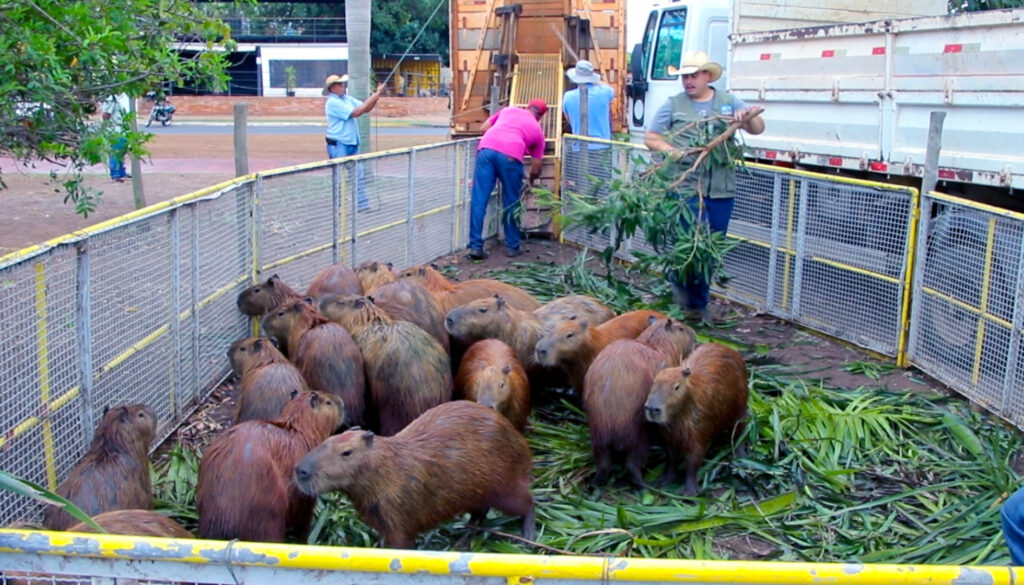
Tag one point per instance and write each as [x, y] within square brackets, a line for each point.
[669, 475]
[693, 460]
[530, 525]
[395, 539]
[635, 459]
[603, 463]
[520, 503]
[737, 434]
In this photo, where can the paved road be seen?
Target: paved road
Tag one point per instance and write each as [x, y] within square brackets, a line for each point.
[277, 129]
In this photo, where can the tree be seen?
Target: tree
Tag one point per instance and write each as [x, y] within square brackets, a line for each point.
[396, 23]
[357, 31]
[60, 59]
[957, 6]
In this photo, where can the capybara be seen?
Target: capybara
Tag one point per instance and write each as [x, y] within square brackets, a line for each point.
[451, 294]
[493, 318]
[336, 279]
[114, 473]
[408, 300]
[407, 370]
[456, 457]
[491, 374]
[267, 379]
[693, 403]
[265, 296]
[245, 488]
[581, 306]
[616, 386]
[374, 274]
[324, 352]
[135, 523]
[572, 344]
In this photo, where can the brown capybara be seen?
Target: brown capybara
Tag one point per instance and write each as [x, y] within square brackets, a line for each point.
[407, 370]
[265, 296]
[135, 523]
[114, 473]
[336, 279]
[451, 294]
[491, 374]
[374, 274]
[616, 386]
[456, 457]
[582, 306]
[572, 344]
[245, 488]
[408, 300]
[493, 318]
[324, 352]
[267, 379]
[695, 402]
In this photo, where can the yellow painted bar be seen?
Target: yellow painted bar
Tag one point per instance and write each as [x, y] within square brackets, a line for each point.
[43, 359]
[1015, 215]
[821, 260]
[902, 360]
[986, 282]
[524, 567]
[969, 308]
[789, 243]
[31, 422]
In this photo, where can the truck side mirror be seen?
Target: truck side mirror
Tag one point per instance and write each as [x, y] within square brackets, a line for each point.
[637, 87]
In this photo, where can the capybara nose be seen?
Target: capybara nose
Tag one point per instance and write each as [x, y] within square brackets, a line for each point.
[652, 412]
[302, 472]
[449, 323]
[541, 354]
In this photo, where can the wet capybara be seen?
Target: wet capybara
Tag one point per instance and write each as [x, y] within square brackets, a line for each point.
[245, 488]
[408, 300]
[114, 473]
[695, 402]
[456, 457]
[407, 370]
[135, 523]
[582, 306]
[336, 279]
[265, 296]
[451, 294]
[373, 274]
[491, 374]
[324, 352]
[572, 344]
[267, 379]
[615, 388]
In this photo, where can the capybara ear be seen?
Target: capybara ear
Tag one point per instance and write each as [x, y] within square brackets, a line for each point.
[506, 369]
[257, 345]
[434, 266]
[359, 303]
[668, 322]
[275, 342]
[390, 266]
[293, 394]
[499, 300]
[309, 301]
[272, 280]
[422, 271]
[650, 320]
[686, 371]
[373, 267]
[123, 415]
[372, 302]
[368, 438]
[314, 400]
[106, 409]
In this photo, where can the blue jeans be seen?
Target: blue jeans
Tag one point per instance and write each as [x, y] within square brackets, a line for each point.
[717, 213]
[117, 159]
[1012, 514]
[339, 150]
[491, 166]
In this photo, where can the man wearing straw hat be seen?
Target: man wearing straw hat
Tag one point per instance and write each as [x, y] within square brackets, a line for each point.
[599, 102]
[342, 137]
[700, 109]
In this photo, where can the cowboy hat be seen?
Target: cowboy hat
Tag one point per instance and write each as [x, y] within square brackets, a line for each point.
[583, 72]
[331, 80]
[694, 61]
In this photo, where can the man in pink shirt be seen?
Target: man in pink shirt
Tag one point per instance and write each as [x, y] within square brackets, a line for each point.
[508, 137]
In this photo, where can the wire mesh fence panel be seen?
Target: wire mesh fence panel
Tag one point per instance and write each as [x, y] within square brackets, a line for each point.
[296, 222]
[434, 189]
[967, 320]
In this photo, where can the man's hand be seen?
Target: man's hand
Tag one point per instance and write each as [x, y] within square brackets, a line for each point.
[750, 118]
[380, 88]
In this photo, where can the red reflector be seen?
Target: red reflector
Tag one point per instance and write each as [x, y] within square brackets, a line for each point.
[946, 174]
[766, 56]
[953, 48]
[879, 166]
[835, 161]
[828, 54]
[771, 154]
[878, 51]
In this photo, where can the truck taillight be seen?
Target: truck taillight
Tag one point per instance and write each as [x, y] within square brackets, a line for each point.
[835, 161]
[771, 154]
[946, 174]
[879, 167]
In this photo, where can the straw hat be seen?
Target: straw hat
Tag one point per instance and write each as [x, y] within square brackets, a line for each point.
[331, 80]
[583, 72]
[694, 61]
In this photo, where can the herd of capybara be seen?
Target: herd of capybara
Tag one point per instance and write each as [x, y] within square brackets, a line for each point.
[428, 384]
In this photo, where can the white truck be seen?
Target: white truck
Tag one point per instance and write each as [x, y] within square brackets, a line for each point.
[856, 96]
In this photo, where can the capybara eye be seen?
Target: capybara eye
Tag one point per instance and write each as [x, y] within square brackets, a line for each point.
[570, 335]
[482, 310]
[346, 453]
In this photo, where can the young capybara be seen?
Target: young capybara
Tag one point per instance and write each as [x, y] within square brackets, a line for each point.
[245, 488]
[374, 274]
[407, 370]
[336, 279]
[582, 306]
[265, 296]
[267, 378]
[408, 300]
[695, 402]
[491, 375]
[572, 344]
[451, 294]
[456, 457]
[114, 473]
[616, 386]
[324, 352]
[135, 523]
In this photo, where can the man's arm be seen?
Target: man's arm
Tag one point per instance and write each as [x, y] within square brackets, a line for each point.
[489, 122]
[656, 142]
[369, 103]
[752, 124]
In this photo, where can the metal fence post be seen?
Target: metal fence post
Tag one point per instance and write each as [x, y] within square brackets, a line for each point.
[354, 202]
[83, 321]
[335, 213]
[194, 303]
[801, 243]
[1010, 375]
[410, 208]
[773, 250]
[256, 231]
[174, 269]
[920, 261]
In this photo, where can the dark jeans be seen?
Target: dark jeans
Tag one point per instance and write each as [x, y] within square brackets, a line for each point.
[1012, 514]
[717, 213]
[339, 150]
[116, 161]
[491, 166]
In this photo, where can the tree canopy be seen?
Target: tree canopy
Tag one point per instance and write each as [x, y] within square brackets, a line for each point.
[60, 59]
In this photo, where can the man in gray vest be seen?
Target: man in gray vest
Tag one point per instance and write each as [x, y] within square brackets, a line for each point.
[672, 129]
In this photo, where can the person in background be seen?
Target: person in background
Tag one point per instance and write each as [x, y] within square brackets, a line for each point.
[342, 137]
[113, 110]
[509, 136]
[672, 130]
[1012, 515]
[597, 165]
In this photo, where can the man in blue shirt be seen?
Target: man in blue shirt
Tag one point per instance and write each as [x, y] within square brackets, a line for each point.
[342, 130]
[590, 172]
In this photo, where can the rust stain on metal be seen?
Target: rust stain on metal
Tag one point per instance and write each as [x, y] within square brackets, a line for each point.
[460, 566]
[970, 576]
[395, 564]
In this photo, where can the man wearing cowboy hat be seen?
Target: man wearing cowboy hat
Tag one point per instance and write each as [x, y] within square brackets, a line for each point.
[599, 102]
[342, 110]
[700, 110]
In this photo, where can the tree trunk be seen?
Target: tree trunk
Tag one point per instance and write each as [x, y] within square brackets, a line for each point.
[357, 29]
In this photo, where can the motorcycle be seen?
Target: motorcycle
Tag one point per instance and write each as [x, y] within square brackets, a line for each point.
[162, 110]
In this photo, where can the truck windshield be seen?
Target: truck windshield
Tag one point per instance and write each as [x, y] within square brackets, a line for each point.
[669, 47]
